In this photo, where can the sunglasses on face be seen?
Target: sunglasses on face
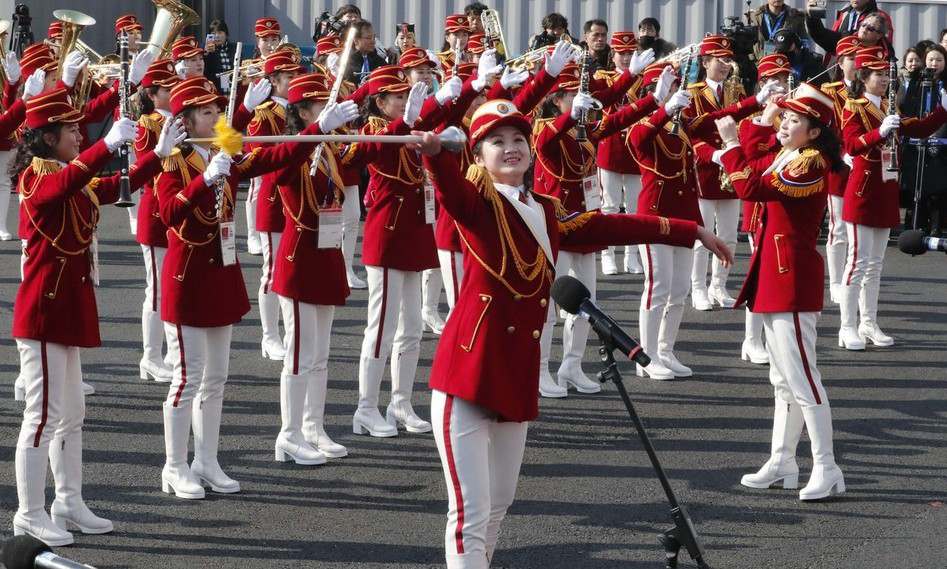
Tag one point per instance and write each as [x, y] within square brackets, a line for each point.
[870, 28]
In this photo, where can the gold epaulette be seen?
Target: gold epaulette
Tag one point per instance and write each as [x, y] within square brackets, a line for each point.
[376, 123]
[176, 161]
[478, 176]
[832, 87]
[607, 75]
[540, 124]
[152, 122]
[803, 176]
[696, 86]
[43, 167]
[570, 223]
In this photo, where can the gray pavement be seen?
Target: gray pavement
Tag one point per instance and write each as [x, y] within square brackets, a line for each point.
[587, 496]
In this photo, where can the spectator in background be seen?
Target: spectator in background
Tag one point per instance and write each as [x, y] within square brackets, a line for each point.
[555, 27]
[649, 37]
[943, 38]
[218, 55]
[772, 16]
[596, 40]
[850, 21]
[348, 14]
[911, 62]
[366, 55]
[405, 39]
[473, 11]
[806, 66]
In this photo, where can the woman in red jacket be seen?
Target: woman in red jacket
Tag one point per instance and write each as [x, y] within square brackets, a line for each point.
[785, 279]
[55, 314]
[310, 274]
[481, 403]
[871, 194]
[203, 291]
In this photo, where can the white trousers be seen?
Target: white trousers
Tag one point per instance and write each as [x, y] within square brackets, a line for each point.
[753, 326]
[452, 273]
[268, 300]
[308, 333]
[432, 282]
[667, 279]
[152, 328]
[6, 185]
[55, 405]
[393, 327]
[791, 344]
[866, 254]
[351, 215]
[201, 362]
[619, 190]
[253, 236]
[836, 244]
[575, 331]
[481, 458]
[723, 216]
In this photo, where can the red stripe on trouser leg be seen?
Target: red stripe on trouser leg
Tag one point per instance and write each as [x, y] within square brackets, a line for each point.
[455, 480]
[42, 421]
[453, 273]
[384, 305]
[831, 221]
[154, 281]
[177, 396]
[647, 249]
[269, 264]
[851, 269]
[805, 359]
[295, 337]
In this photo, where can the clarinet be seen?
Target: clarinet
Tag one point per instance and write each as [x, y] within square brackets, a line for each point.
[891, 146]
[580, 134]
[685, 76]
[124, 188]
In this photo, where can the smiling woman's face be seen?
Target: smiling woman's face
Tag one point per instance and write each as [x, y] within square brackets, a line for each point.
[505, 153]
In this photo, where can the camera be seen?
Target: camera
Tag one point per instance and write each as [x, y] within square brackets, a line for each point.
[542, 40]
[327, 24]
[744, 37]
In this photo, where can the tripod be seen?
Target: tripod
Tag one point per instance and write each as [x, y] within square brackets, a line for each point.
[683, 532]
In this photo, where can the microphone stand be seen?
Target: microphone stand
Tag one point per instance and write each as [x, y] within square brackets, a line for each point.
[683, 533]
[920, 146]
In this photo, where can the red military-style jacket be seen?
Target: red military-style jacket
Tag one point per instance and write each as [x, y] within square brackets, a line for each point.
[699, 117]
[668, 182]
[56, 300]
[752, 210]
[509, 266]
[8, 141]
[787, 273]
[151, 230]
[612, 153]
[868, 199]
[197, 289]
[562, 162]
[269, 119]
[839, 93]
[304, 272]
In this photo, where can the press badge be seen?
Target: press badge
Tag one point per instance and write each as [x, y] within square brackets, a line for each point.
[887, 158]
[593, 193]
[330, 228]
[429, 213]
[94, 260]
[228, 243]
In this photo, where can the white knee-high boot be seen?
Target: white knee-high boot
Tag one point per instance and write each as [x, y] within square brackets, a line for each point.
[314, 416]
[69, 510]
[826, 479]
[290, 443]
[547, 385]
[781, 466]
[753, 349]
[176, 476]
[404, 366]
[367, 418]
[649, 324]
[207, 416]
[575, 334]
[31, 517]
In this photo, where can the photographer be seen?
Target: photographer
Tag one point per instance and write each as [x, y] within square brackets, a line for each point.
[329, 24]
[649, 37]
[596, 40]
[772, 16]
[555, 27]
[806, 66]
[473, 12]
[852, 21]
[218, 55]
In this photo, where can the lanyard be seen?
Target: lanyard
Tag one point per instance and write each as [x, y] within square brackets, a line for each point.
[853, 21]
[770, 28]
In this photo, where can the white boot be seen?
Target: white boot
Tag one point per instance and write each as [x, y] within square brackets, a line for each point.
[87, 389]
[314, 417]
[848, 337]
[367, 418]
[272, 343]
[719, 295]
[649, 325]
[632, 262]
[176, 476]
[608, 262]
[753, 349]
[207, 415]
[349, 241]
[355, 282]
[69, 510]
[869, 329]
[575, 334]
[781, 466]
[19, 388]
[31, 517]
[404, 366]
[431, 284]
[826, 478]
[700, 300]
[152, 336]
[290, 443]
[547, 385]
[667, 338]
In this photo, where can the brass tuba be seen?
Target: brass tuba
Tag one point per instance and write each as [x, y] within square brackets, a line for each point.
[173, 16]
[73, 22]
[493, 33]
[5, 26]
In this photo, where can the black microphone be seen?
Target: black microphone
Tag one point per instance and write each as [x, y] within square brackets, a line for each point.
[574, 298]
[27, 552]
[914, 242]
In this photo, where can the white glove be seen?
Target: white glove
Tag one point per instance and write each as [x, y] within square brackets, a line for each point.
[11, 65]
[581, 102]
[511, 78]
[172, 134]
[122, 131]
[641, 60]
[139, 65]
[889, 124]
[332, 62]
[560, 56]
[412, 109]
[771, 88]
[34, 85]
[449, 90]
[74, 65]
[849, 161]
[486, 68]
[335, 115]
[679, 100]
[181, 69]
[256, 94]
[218, 168]
[943, 98]
[665, 81]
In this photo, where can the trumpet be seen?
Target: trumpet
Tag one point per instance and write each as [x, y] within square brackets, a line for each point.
[677, 56]
[529, 59]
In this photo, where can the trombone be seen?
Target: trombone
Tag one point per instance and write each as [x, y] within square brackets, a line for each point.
[529, 59]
